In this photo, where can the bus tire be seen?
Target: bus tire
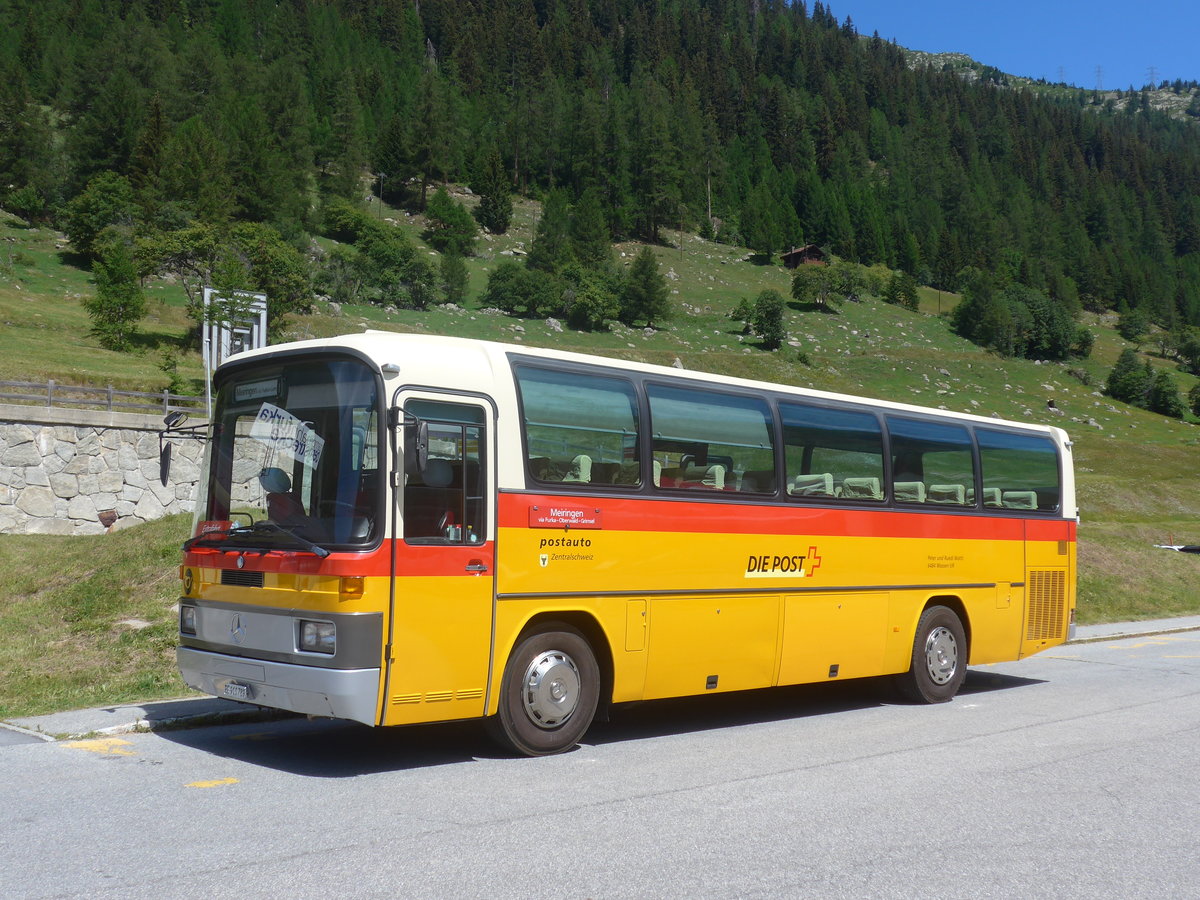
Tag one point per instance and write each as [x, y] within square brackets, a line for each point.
[549, 692]
[939, 658]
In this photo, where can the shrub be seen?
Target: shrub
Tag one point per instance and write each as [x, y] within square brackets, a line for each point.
[768, 319]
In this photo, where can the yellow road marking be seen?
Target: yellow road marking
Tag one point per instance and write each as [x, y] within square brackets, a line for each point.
[210, 784]
[103, 746]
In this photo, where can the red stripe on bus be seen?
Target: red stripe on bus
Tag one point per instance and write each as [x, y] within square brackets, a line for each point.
[641, 514]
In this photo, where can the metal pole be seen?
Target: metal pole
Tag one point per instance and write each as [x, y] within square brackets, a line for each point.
[207, 375]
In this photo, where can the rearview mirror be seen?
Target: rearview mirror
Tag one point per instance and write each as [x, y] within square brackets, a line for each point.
[416, 444]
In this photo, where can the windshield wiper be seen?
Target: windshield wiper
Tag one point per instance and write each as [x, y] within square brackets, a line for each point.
[279, 529]
[256, 528]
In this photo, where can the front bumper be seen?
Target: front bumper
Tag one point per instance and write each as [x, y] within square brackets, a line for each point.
[337, 693]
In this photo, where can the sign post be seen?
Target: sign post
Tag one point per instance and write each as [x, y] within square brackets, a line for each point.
[233, 321]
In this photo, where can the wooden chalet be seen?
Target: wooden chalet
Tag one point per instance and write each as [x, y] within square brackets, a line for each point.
[798, 256]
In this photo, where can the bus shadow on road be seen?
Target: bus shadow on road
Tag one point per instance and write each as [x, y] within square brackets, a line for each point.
[338, 749]
[983, 682]
[695, 714]
[329, 748]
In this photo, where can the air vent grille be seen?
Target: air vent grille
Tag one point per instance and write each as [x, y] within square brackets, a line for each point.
[241, 579]
[1047, 605]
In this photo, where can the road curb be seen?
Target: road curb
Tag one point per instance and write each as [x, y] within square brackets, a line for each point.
[167, 715]
[38, 735]
[1133, 633]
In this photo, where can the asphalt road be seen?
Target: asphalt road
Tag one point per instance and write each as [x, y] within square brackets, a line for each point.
[1071, 774]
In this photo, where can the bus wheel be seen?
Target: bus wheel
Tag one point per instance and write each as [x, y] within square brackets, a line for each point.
[549, 693]
[939, 658]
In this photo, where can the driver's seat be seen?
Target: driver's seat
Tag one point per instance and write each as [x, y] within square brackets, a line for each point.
[283, 504]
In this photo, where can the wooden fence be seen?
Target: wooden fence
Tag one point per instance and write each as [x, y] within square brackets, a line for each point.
[51, 394]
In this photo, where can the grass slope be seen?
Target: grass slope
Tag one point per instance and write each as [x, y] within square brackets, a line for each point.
[66, 603]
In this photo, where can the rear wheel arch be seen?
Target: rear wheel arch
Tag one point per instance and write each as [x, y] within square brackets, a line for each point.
[938, 655]
[955, 603]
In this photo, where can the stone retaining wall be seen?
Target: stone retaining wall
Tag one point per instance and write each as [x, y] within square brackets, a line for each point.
[68, 471]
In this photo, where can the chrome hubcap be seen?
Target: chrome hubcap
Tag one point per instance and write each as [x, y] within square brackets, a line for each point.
[941, 655]
[551, 689]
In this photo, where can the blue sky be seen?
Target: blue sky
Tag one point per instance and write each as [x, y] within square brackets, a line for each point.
[1038, 39]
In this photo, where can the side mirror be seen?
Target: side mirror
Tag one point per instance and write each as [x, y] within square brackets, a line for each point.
[416, 445]
[164, 463]
[173, 426]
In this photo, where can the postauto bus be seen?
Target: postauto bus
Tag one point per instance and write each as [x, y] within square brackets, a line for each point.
[397, 529]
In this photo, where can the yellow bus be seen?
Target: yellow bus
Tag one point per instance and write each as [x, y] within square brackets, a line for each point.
[398, 529]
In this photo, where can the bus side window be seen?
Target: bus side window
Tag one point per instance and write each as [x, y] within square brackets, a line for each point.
[708, 440]
[932, 462]
[580, 429]
[1020, 471]
[445, 502]
[831, 453]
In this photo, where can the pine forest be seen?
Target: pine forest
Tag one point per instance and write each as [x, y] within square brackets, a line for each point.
[221, 135]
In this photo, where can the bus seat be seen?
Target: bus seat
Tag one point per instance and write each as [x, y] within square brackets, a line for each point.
[606, 472]
[628, 473]
[657, 473]
[466, 476]
[758, 481]
[283, 504]
[951, 494]
[438, 473]
[542, 468]
[861, 489]
[909, 491]
[991, 496]
[1020, 499]
[818, 484]
[581, 469]
[712, 477]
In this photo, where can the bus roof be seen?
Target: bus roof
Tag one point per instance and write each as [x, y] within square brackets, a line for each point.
[488, 358]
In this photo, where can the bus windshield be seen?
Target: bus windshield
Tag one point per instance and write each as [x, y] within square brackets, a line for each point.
[293, 462]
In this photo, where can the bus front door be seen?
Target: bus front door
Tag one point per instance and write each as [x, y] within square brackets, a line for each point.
[444, 564]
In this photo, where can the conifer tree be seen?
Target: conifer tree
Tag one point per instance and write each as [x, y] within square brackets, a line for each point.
[494, 211]
[1130, 380]
[551, 248]
[591, 244]
[453, 278]
[119, 303]
[1164, 398]
[451, 228]
[645, 295]
[197, 173]
[347, 149]
[148, 166]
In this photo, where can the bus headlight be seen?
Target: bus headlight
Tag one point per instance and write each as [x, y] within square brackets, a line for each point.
[317, 637]
[187, 620]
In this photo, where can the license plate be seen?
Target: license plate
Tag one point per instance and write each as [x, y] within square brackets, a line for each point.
[235, 691]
